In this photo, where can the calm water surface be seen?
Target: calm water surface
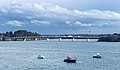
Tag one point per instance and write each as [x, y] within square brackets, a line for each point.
[23, 55]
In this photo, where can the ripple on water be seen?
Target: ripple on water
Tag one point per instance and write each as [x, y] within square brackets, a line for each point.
[23, 55]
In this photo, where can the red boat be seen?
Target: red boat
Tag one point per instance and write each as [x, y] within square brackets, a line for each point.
[70, 60]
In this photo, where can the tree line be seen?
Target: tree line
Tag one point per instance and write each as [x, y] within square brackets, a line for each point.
[19, 33]
[110, 38]
[22, 33]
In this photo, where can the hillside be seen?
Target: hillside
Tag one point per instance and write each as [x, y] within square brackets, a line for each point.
[111, 38]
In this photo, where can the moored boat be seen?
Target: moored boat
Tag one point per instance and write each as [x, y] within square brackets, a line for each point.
[41, 57]
[97, 56]
[70, 59]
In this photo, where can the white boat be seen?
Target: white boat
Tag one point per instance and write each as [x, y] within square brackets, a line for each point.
[41, 57]
[97, 56]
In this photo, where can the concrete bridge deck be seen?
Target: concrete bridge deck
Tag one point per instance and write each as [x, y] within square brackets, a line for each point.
[47, 37]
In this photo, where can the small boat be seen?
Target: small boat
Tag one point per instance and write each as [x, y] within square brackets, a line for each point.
[70, 60]
[97, 56]
[41, 57]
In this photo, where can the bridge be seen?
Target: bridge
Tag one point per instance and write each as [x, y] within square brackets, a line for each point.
[48, 37]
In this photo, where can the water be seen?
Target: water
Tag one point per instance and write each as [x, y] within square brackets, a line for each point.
[23, 55]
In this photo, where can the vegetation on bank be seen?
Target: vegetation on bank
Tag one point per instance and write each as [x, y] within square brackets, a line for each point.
[24, 33]
[19, 33]
[110, 38]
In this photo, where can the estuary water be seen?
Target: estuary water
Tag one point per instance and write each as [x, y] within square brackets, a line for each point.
[23, 55]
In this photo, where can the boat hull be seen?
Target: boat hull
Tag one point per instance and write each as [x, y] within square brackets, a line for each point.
[96, 56]
[69, 61]
[40, 58]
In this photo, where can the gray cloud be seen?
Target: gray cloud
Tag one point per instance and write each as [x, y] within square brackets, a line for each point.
[48, 14]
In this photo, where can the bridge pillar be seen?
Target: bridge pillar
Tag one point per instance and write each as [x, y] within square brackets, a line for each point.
[24, 39]
[36, 39]
[73, 39]
[1, 39]
[88, 40]
[47, 39]
[60, 39]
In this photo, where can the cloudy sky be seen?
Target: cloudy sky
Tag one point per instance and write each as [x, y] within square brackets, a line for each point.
[60, 16]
